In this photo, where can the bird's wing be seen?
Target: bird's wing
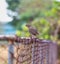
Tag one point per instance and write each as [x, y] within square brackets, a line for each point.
[33, 31]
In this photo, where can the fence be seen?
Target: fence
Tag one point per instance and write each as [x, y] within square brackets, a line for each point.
[31, 51]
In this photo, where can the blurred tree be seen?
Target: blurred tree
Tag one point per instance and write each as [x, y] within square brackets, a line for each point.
[27, 10]
[43, 27]
[13, 12]
[46, 13]
[13, 4]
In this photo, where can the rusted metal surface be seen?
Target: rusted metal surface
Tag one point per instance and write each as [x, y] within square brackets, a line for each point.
[31, 51]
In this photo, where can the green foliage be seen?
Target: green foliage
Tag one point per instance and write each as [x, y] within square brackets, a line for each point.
[18, 33]
[13, 4]
[39, 14]
[43, 27]
[24, 27]
[25, 31]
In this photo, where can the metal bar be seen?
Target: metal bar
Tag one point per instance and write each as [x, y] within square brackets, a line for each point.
[54, 53]
[33, 53]
[10, 53]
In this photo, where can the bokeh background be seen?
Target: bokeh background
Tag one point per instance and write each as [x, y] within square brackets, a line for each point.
[42, 14]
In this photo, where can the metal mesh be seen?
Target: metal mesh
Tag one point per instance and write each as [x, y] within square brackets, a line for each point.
[29, 51]
[23, 54]
[34, 52]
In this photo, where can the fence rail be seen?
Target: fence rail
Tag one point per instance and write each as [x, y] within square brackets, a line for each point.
[30, 51]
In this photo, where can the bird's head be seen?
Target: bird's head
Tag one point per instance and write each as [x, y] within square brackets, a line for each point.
[28, 25]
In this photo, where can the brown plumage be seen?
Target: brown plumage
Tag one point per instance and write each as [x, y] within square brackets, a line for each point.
[33, 31]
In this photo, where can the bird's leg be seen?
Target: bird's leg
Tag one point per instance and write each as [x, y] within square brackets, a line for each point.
[32, 36]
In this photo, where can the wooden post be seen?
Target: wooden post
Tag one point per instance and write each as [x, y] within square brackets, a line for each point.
[10, 52]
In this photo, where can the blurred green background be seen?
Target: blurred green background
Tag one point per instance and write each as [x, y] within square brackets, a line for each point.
[43, 14]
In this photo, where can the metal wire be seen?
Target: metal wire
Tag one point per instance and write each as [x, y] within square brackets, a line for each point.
[31, 51]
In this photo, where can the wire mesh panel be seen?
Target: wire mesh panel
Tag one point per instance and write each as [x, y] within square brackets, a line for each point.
[44, 53]
[29, 51]
[23, 53]
[33, 51]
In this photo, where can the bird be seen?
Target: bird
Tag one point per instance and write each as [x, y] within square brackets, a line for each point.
[32, 30]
